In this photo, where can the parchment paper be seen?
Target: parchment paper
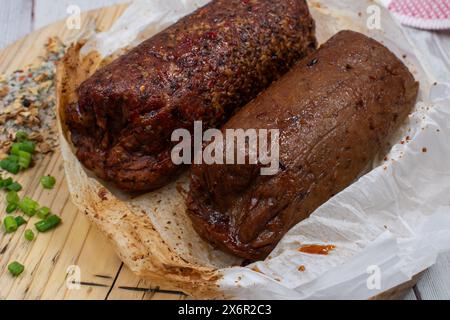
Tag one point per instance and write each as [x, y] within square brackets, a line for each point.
[387, 226]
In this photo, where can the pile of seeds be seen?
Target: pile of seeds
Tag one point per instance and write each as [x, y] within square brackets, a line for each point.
[28, 101]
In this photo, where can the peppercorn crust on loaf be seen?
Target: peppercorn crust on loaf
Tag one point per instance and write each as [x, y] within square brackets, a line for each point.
[335, 110]
[203, 67]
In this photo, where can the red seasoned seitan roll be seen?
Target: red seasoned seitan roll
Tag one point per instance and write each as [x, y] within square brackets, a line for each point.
[203, 67]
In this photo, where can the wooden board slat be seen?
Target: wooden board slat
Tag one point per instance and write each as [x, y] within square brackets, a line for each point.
[15, 20]
[54, 287]
[75, 242]
[128, 279]
[14, 246]
[163, 296]
[32, 253]
[435, 283]
[410, 295]
[96, 258]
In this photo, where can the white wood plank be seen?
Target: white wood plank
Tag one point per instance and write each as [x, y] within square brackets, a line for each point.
[434, 47]
[15, 20]
[410, 295]
[48, 11]
[435, 283]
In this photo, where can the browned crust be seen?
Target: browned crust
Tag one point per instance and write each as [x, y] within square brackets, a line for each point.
[137, 242]
[203, 67]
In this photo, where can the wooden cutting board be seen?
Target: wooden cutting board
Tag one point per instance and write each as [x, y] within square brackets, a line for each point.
[75, 242]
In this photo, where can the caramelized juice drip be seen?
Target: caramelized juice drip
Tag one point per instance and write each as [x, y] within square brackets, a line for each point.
[316, 249]
[256, 269]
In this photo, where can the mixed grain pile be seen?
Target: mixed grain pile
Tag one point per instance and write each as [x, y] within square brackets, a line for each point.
[28, 100]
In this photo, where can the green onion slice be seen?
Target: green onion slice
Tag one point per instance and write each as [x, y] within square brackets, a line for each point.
[29, 234]
[20, 221]
[9, 165]
[15, 268]
[10, 224]
[11, 207]
[48, 182]
[12, 197]
[43, 212]
[15, 186]
[24, 159]
[48, 223]
[21, 135]
[28, 206]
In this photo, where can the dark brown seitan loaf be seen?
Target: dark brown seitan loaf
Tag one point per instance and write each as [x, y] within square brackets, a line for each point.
[334, 110]
[203, 67]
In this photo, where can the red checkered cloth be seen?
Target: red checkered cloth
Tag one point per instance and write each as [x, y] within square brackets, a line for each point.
[422, 14]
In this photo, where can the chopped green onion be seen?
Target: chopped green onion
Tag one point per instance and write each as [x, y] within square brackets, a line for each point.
[29, 235]
[13, 158]
[21, 135]
[48, 223]
[48, 182]
[4, 164]
[7, 182]
[43, 212]
[10, 166]
[25, 145]
[28, 206]
[13, 168]
[15, 148]
[15, 268]
[28, 146]
[12, 197]
[11, 207]
[15, 186]
[20, 221]
[24, 159]
[10, 224]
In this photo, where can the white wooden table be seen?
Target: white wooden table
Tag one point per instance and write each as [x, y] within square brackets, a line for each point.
[19, 17]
